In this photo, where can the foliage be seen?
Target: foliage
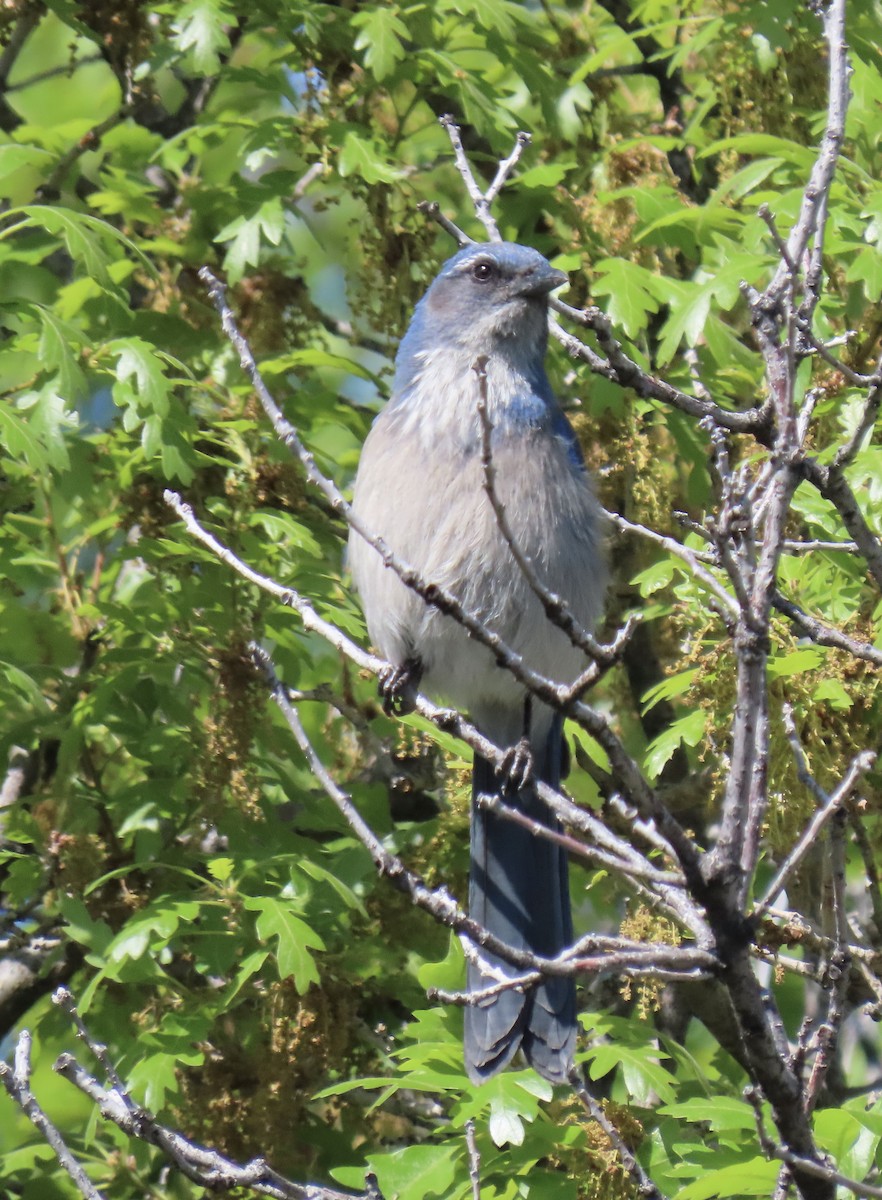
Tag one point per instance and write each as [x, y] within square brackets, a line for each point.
[226, 934]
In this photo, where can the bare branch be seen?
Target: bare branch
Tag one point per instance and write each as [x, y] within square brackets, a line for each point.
[836, 976]
[16, 1081]
[806, 1166]
[474, 1159]
[833, 486]
[438, 902]
[847, 453]
[830, 804]
[809, 224]
[626, 373]
[483, 199]
[691, 558]
[432, 209]
[198, 1163]
[556, 609]
[645, 1186]
[823, 634]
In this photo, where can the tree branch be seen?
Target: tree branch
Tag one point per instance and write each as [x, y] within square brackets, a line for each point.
[16, 1081]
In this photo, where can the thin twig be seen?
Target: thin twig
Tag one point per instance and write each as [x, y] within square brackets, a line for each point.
[555, 607]
[307, 179]
[830, 804]
[812, 209]
[836, 976]
[474, 1159]
[452, 722]
[198, 1163]
[847, 453]
[432, 209]
[21, 31]
[622, 369]
[672, 546]
[437, 902]
[16, 1081]
[645, 1186]
[483, 199]
[831, 483]
[822, 633]
[803, 1165]
[491, 802]
[868, 856]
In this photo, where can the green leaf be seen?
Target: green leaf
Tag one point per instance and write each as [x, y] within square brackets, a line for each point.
[221, 868]
[642, 1072]
[628, 286]
[496, 15]
[14, 157]
[674, 685]
[141, 381]
[360, 157]
[294, 939]
[506, 1126]
[49, 420]
[754, 1177]
[417, 1171]
[285, 530]
[151, 928]
[796, 662]
[380, 36]
[200, 30]
[154, 1077]
[244, 235]
[248, 968]
[720, 1113]
[59, 341]
[851, 1143]
[83, 928]
[866, 268]
[321, 875]
[83, 236]
[800, 156]
[689, 729]
[654, 578]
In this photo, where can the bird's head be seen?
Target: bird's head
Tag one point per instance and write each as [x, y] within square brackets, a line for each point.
[490, 297]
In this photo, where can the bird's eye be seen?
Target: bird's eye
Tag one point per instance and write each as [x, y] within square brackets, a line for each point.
[482, 271]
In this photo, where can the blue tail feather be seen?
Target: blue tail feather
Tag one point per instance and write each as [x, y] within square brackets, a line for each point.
[519, 891]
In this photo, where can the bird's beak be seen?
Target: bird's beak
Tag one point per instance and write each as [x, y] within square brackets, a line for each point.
[539, 281]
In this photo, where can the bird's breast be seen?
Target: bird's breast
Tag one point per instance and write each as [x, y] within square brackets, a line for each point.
[426, 496]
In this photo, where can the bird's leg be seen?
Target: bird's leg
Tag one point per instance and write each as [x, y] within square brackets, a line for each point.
[398, 687]
[517, 763]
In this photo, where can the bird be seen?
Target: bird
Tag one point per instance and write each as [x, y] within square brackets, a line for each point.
[420, 486]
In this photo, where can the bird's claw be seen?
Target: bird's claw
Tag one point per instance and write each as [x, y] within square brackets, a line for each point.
[516, 771]
[398, 687]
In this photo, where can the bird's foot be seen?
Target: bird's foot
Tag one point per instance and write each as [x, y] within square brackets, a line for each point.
[398, 687]
[516, 771]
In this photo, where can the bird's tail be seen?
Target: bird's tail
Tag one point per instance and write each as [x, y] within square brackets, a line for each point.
[519, 891]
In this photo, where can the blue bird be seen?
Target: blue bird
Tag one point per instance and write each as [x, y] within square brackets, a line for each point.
[420, 485]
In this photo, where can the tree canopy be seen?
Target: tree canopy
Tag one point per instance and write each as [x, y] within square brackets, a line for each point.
[251, 879]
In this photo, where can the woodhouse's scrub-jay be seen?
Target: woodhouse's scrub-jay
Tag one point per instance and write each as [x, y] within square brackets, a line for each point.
[420, 485]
